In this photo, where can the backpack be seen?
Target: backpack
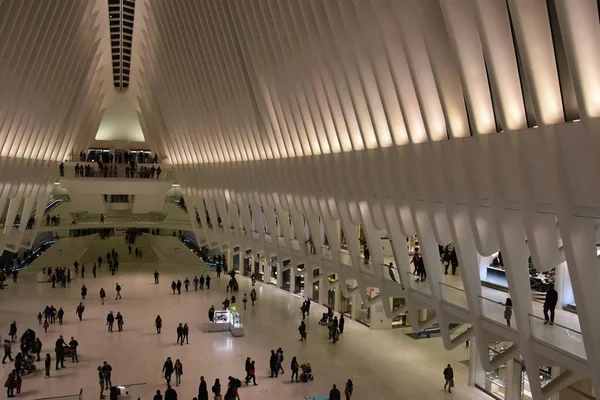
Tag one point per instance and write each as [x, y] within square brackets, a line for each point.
[237, 383]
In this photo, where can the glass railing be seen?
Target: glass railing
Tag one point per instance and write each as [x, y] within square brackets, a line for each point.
[366, 266]
[326, 251]
[296, 244]
[561, 338]
[111, 220]
[345, 258]
[391, 273]
[268, 238]
[414, 283]
[454, 296]
[497, 312]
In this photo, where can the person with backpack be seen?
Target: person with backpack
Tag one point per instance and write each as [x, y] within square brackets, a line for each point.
[118, 289]
[216, 389]
[232, 388]
[202, 390]
[294, 366]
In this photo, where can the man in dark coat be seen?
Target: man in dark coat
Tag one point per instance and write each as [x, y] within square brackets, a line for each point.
[334, 393]
[202, 390]
[170, 393]
[549, 305]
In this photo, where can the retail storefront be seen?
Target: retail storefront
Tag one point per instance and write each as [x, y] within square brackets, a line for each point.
[315, 286]
[286, 280]
[299, 280]
[400, 320]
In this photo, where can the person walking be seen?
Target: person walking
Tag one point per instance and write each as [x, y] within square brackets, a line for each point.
[178, 286]
[157, 396]
[178, 368]
[196, 282]
[273, 364]
[186, 333]
[37, 348]
[94, 270]
[251, 374]
[294, 366]
[302, 330]
[245, 300]
[47, 365]
[449, 378]
[168, 370]
[60, 352]
[173, 286]
[79, 311]
[201, 282]
[253, 296]
[341, 323]
[102, 295]
[202, 389]
[508, 311]
[12, 331]
[186, 284]
[280, 361]
[156, 274]
[550, 304]
[349, 389]
[83, 292]
[82, 271]
[73, 346]
[180, 334]
[170, 393]
[207, 282]
[46, 326]
[334, 393]
[11, 383]
[7, 351]
[211, 313]
[158, 324]
[110, 320]
[118, 289]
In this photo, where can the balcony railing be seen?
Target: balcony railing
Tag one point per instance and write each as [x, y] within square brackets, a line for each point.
[497, 312]
[414, 283]
[565, 340]
[454, 296]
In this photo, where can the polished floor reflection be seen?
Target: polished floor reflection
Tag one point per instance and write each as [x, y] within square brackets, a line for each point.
[383, 364]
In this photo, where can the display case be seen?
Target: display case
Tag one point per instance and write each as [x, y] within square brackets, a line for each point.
[220, 322]
[235, 322]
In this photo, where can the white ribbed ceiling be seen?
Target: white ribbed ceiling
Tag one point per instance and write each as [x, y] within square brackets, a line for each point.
[232, 80]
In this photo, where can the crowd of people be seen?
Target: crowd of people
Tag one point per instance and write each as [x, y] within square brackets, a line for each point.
[105, 170]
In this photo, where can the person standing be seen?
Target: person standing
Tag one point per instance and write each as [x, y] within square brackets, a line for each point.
[11, 383]
[207, 281]
[294, 367]
[186, 284]
[83, 271]
[178, 368]
[252, 374]
[334, 393]
[180, 334]
[118, 289]
[186, 333]
[102, 295]
[156, 274]
[168, 370]
[60, 352]
[449, 378]
[349, 389]
[60, 315]
[173, 286]
[202, 390]
[47, 365]
[178, 286]
[158, 324]
[83, 292]
[94, 270]
[12, 331]
[211, 313]
[157, 396]
[37, 348]
[216, 388]
[245, 300]
[107, 373]
[341, 323]
[110, 320]
[508, 311]
[550, 304]
[253, 296]
[120, 321]
[196, 282]
[73, 345]
[302, 330]
[201, 282]
[79, 311]
[46, 326]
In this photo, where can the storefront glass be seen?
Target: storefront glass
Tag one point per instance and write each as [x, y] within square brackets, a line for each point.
[286, 276]
[400, 320]
[299, 286]
[273, 274]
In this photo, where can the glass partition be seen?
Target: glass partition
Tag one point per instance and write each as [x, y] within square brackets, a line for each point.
[497, 312]
[415, 283]
[455, 296]
[561, 338]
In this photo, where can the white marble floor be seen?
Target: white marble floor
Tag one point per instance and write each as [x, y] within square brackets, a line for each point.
[383, 364]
